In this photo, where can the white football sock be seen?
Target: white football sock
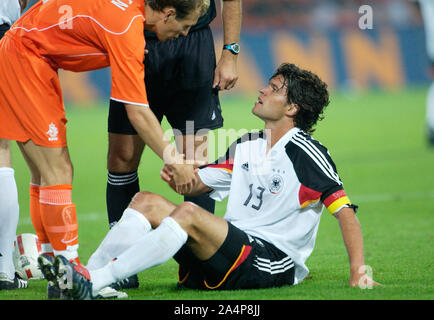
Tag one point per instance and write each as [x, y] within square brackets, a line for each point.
[130, 228]
[9, 212]
[71, 252]
[153, 248]
[46, 248]
[430, 107]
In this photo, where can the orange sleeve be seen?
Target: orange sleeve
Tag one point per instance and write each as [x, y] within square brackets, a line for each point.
[126, 53]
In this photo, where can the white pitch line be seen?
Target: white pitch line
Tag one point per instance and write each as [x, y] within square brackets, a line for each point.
[366, 198]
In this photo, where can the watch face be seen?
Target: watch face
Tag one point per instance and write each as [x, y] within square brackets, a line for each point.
[236, 47]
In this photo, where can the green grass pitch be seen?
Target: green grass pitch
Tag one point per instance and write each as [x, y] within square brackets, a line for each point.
[377, 140]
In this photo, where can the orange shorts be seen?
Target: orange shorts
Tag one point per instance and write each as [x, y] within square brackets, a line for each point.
[31, 103]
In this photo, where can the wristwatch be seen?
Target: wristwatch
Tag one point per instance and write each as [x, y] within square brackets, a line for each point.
[233, 47]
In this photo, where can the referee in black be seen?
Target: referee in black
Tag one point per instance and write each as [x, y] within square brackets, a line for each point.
[182, 81]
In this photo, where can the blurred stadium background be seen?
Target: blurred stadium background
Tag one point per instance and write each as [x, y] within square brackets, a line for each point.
[323, 36]
[374, 127]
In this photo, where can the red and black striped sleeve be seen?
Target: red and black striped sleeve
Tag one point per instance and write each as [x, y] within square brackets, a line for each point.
[317, 174]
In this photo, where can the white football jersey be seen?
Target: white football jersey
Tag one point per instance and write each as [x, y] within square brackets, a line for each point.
[10, 11]
[278, 196]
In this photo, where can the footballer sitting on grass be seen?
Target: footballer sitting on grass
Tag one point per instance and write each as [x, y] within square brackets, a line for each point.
[278, 180]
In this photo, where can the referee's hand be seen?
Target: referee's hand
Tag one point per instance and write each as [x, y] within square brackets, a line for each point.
[226, 74]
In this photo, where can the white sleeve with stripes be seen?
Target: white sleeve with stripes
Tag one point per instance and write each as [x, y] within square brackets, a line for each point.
[217, 179]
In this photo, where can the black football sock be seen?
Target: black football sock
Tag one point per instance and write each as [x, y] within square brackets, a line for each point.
[203, 201]
[185, 257]
[121, 188]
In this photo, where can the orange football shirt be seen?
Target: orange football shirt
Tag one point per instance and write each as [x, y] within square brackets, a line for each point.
[74, 35]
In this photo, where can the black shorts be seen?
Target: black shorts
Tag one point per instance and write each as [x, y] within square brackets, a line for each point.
[242, 262]
[178, 76]
[3, 28]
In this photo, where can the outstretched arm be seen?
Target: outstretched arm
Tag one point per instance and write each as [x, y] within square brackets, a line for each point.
[149, 129]
[352, 235]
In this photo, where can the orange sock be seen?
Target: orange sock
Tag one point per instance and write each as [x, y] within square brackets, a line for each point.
[35, 216]
[59, 220]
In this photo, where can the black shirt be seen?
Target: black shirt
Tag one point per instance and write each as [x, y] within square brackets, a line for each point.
[202, 22]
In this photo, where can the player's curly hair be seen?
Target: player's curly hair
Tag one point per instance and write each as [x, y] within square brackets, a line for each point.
[308, 92]
[183, 7]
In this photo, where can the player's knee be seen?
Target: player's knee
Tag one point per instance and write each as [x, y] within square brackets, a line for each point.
[146, 203]
[66, 169]
[60, 172]
[143, 198]
[5, 153]
[122, 161]
[124, 153]
[5, 144]
[186, 214]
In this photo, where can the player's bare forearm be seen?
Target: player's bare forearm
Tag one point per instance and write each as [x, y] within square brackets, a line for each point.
[352, 235]
[149, 129]
[198, 188]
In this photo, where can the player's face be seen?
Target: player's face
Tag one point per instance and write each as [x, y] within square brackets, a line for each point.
[170, 28]
[272, 101]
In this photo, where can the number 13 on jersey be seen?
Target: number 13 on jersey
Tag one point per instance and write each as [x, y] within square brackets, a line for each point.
[255, 203]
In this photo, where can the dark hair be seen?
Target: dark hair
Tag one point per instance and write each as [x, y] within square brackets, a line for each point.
[183, 7]
[307, 91]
